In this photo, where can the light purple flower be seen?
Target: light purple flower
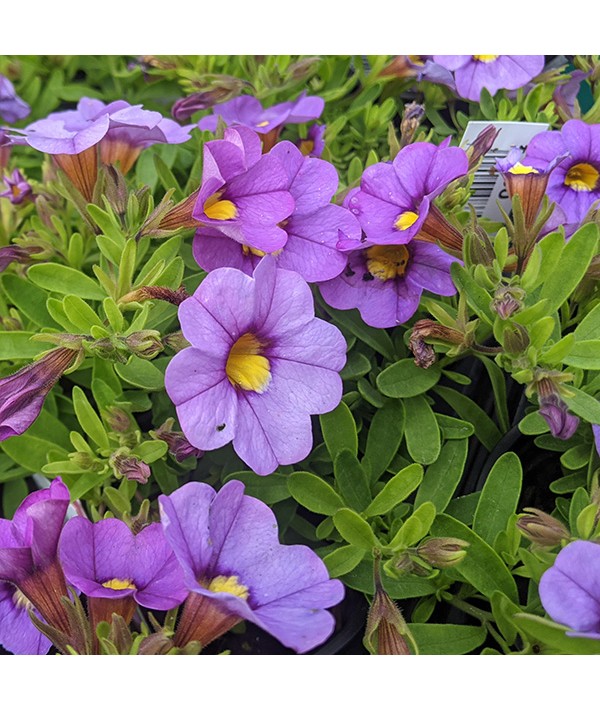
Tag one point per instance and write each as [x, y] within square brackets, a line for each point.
[259, 365]
[12, 107]
[570, 589]
[314, 143]
[106, 560]
[565, 95]
[385, 282]
[312, 229]
[596, 433]
[17, 188]
[575, 183]
[228, 546]
[244, 194]
[394, 198]
[562, 423]
[248, 111]
[474, 72]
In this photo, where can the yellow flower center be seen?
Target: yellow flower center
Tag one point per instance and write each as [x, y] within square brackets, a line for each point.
[520, 169]
[250, 250]
[230, 585]
[15, 190]
[406, 219]
[262, 124]
[387, 261]
[306, 146]
[416, 59]
[485, 58]
[246, 367]
[21, 601]
[118, 584]
[217, 209]
[582, 177]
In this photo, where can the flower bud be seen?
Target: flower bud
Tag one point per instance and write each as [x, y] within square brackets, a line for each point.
[117, 419]
[443, 552]
[481, 250]
[18, 190]
[428, 329]
[412, 116]
[481, 145]
[145, 344]
[507, 301]
[157, 643]
[145, 293]
[179, 446]
[176, 341]
[515, 338]
[131, 468]
[542, 529]
[115, 189]
[553, 409]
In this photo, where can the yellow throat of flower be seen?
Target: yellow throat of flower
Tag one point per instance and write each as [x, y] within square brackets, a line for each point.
[229, 585]
[118, 584]
[520, 169]
[217, 209]
[485, 58]
[387, 261]
[582, 177]
[246, 367]
[405, 220]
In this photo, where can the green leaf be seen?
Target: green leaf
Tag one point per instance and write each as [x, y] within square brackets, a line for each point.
[80, 314]
[29, 299]
[551, 248]
[499, 497]
[452, 428]
[31, 452]
[443, 476]
[504, 610]
[86, 482]
[407, 586]
[343, 560]
[554, 636]
[582, 404]
[351, 321]
[352, 480]
[15, 345]
[574, 262]
[477, 297]
[90, 423]
[583, 354]
[354, 529]
[398, 488]
[404, 379]
[541, 331]
[485, 429]
[486, 103]
[576, 457]
[463, 507]
[533, 424]
[496, 376]
[384, 437]
[482, 566]
[65, 280]
[356, 366]
[422, 431]
[314, 494]
[150, 450]
[271, 489]
[141, 374]
[589, 328]
[339, 430]
[447, 638]
[416, 527]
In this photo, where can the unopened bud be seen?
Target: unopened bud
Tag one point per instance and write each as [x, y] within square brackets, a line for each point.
[515, 338]
[481, 145]
[412, 116]
[117, 419]
[507, 301]
[443, 552]
[130, 468]
[179, 446]
[481, 250]
[115, 189]
[176, 341]
[145, 344]
[157, 643]
[542, 529]
[144, 293]
[432, 331]
[553, 409]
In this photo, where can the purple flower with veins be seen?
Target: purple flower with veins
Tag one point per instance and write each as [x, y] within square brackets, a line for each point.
[575, 182]
[17, 188]
[259, 365]
[312, 229]
[570, 589]
[235, 568]
[12, 107]
[395, 199]
[244, 195]
[474, 72]
[385, 282]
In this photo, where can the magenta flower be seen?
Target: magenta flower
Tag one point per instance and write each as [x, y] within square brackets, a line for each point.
[312, 229]
[17, 188]
[12, 107]
[248, 111]
[394, 199]
[570, 589]
[474, 72]
[259, 365]
[385, 282]
[244, 194]
[575, 182]
[235, 568]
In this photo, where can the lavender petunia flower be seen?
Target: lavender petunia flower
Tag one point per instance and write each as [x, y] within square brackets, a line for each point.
[596, 433]
[394, 199]
[570, 589]
[235, 567]
[17, 188]
[12, 107]
[312, 229]
[562, 423]
[385, 282]
[259, 365]
[575, 182]
[22, 394]
[244, 194]
[474, 72]
[565, 95]
[314, 143]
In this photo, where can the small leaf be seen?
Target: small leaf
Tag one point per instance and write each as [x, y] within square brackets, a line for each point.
[398, 488]
[351, 480]
[443, 476]
[415, 527]
[354, 529]
[64, 280]
[447, 638]
[404, 379]
[485, 429]
[422, 431]
[339, 430]
[384, 437]
[343, 560]
[314, 494]
[90, 423]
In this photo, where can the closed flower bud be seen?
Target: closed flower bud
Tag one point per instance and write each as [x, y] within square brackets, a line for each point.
[145, 344]
[481, 250]
[411, 119]
[515, 338]
[117, 419]
[18, 190]
[154, 644]
[144, 293]
[554, 410]
[481, 145]
[115, 189]
[507, 301]
[130, 468]
[443, 552]
[179, 446]
[542, 529]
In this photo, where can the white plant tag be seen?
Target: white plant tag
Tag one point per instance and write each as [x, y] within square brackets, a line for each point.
[488, 187]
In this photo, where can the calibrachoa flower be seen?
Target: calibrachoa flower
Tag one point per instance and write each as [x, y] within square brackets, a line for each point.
[575, 182]
[312, 229]
[474, 72]
[17, 188]
[314, 143]
[570, 589]
[385, 282]
[235, 568]
[395, 198]
[259, 365]
[244, 195]
[12, 107]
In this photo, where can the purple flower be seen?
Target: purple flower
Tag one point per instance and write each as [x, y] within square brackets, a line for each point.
[562, 423]
[228, 546]
[385, 282]
[565, 95]
[394, 198]
[596, 433]
[5, 144]
[15, 253]
[312, 229]
[12, 107]
[259, 365]
[474, 72]
[570, 589]
[575, 182]
[314, 143]
[107, 560]
[244, 194]
[248, 111]
[17, 188]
